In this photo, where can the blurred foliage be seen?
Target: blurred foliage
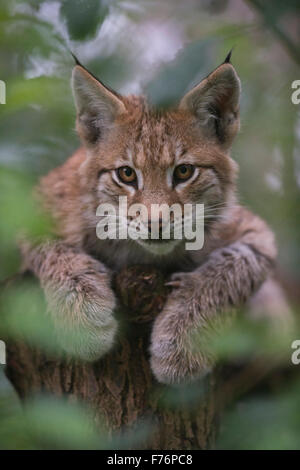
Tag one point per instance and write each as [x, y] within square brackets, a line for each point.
[83, 17]
[264, 422]
[160, 48]
[20, 215]
[51, 423]
[46, 423]
[22, 308]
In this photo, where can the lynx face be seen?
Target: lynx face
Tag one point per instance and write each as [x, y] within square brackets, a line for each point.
[176, 157]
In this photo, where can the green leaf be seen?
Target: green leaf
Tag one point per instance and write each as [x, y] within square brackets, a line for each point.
[83, 17]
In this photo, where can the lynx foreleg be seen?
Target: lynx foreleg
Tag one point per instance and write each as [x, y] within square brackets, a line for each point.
[182, 331]
[79, 297]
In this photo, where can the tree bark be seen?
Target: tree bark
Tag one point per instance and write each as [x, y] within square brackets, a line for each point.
[120, 388]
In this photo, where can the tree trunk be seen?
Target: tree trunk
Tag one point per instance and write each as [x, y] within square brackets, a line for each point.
[120, 388]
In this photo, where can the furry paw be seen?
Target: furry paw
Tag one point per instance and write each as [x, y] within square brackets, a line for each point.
[179, 352]
[82, 310]
[178, 367]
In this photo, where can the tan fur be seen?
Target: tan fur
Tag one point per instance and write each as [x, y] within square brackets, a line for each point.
[239, 249]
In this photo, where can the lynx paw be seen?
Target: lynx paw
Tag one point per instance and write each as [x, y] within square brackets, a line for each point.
[82, 311]
[177, 356]
[177, 367]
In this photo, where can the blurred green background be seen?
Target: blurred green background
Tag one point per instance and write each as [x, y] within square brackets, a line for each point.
[161, 49]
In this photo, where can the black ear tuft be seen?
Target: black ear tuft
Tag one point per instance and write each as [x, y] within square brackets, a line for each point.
[76, 60]
[228, 57]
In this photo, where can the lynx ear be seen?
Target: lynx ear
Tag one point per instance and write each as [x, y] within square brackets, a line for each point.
[97, 106]
[215, 102]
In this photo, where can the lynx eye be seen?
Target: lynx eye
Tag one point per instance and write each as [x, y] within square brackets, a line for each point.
[126, 174]
[183, 172]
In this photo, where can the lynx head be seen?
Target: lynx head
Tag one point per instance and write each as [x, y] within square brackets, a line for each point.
[179, 156]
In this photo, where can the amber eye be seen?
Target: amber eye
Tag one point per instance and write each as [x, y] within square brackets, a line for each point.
[183, 172]
[126, 174]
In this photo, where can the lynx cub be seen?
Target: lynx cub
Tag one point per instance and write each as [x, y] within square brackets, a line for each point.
[180, 156]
